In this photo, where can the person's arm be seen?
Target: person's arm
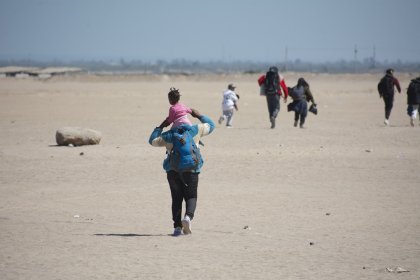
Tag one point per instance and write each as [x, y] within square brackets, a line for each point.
[165, 123]
[207, 125]
[261, 80]
[284, 87]
[309, 95]
[397, 84]
[155, 138]
[171, 116]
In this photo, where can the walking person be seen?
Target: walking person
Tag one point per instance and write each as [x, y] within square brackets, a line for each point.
[183, 165]
[301, 95]
[386, 91]
[229, 105]
[272, 84]
[413, 100]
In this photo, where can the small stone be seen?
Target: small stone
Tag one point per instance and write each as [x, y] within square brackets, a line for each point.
[82, 153]
[76, 216]
[247, 227]
[368, 151]
[311, 243]
[328, 213]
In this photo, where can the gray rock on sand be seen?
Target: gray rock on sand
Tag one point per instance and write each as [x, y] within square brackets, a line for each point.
[77, 136]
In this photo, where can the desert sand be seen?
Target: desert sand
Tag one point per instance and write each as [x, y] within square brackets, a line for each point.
[337, 200]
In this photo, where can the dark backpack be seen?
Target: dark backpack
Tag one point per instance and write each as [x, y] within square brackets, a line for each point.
[297, 93]
[185, 155]
[386, 86]
[271, 83]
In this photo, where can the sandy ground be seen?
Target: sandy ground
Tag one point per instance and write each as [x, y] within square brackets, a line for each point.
[346, 184]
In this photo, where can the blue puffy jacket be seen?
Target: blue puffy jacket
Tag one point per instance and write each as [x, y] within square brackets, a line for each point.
[159, 139]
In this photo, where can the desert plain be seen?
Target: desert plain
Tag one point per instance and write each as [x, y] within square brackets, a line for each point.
[339, 199]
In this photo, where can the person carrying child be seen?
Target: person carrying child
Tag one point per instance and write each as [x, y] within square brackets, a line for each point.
[183, 165]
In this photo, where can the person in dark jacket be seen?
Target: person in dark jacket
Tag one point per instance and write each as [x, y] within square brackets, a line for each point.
[386, 91]
[413, 99]
[301, 95]
[272, 89]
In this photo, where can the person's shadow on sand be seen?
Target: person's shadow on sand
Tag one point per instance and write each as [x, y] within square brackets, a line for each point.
[130, 234]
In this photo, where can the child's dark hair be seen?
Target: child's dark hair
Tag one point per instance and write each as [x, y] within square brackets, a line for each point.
[174, 94]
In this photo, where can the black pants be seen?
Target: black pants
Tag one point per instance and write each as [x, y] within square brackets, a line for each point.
[302, 118]
[389, 103]
[184, 188]
[273, 103]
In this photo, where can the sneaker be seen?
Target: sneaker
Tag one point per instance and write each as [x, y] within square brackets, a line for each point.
[221, 120]
[229, 126]
[386, 122]
[273, 122]
[186, 225]
[177, 231]
[295, 124]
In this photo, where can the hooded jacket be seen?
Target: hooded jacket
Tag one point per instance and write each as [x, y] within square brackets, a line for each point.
[413, 92]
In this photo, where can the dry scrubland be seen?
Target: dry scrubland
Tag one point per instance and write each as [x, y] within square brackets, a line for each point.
[347, 184]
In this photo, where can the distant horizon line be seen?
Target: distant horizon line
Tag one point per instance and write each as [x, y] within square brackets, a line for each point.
[122, 60]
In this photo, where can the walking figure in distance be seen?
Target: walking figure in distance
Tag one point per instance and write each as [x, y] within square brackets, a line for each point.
[386, 92]
[272, 84]
[229, 105]
[301, 95]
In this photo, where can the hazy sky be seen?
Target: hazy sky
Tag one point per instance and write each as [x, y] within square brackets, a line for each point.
[259, 30]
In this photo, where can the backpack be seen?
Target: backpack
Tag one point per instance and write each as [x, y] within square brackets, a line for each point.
[271, 83]
[185, 155]
[386, 86]
[297, 93]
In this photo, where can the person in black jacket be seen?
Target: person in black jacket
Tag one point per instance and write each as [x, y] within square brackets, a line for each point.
[301, 95]
[386, 91]
[413, 99]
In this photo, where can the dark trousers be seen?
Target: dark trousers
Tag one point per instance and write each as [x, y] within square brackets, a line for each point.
[389, 103]
[302, 118]
[184, 188]
[273, 103]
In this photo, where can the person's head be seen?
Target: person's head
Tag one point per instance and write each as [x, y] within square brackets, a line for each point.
[273, 69]
[231, 87]
[302, 82]
[389, 71]
[173, 95]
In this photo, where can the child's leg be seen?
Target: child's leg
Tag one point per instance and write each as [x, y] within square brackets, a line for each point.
[222, 117]
[229, 116]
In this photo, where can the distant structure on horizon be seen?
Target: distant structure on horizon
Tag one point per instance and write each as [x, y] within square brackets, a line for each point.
[13, 71]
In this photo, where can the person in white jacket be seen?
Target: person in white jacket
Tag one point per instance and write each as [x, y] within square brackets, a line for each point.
[229, 105]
